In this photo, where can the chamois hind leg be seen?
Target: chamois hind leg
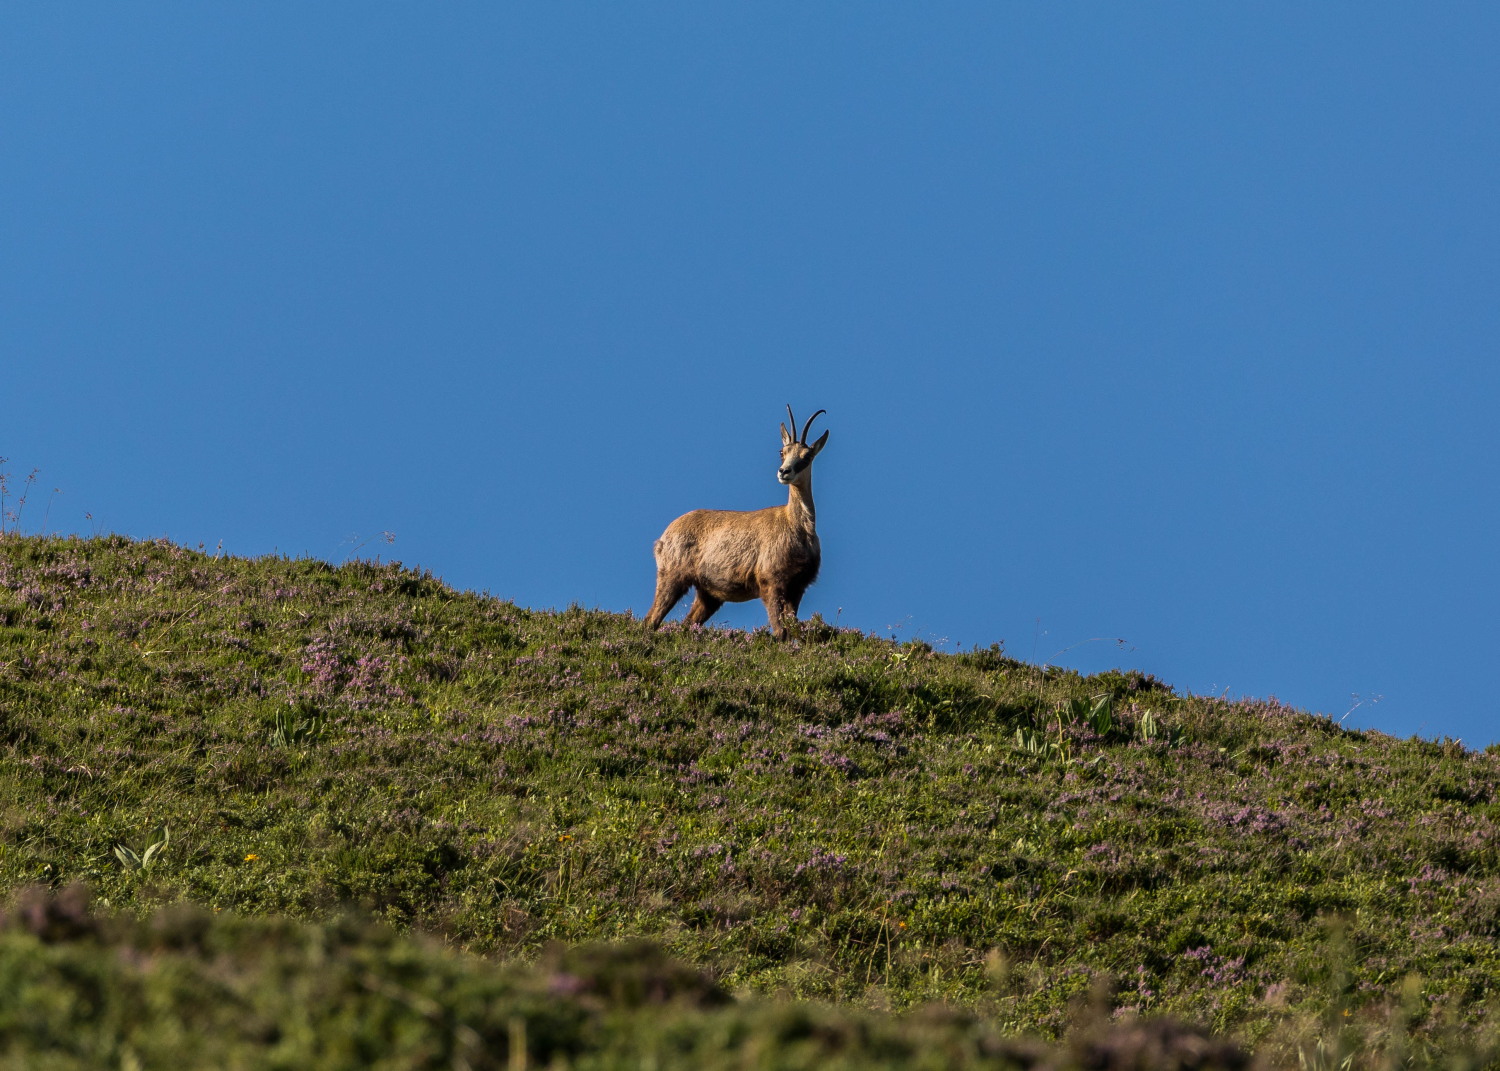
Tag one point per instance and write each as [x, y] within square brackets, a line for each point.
[668, 590]
[704, 607]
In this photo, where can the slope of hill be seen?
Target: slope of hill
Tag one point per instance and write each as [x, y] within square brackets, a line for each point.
[185, 988]
[839, 817]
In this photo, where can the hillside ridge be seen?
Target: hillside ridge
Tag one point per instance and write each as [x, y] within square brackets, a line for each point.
[841, 816]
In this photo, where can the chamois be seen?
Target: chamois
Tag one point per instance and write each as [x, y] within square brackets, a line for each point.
[737, 555]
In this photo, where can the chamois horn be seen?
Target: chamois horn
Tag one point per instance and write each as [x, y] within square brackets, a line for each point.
[810, 419]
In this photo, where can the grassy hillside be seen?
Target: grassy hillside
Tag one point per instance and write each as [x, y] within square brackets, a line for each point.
[186, 988]
[841, 817]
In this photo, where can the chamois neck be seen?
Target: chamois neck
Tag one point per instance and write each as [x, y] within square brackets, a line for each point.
[799, 502]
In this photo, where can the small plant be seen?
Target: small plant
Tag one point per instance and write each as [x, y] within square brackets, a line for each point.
[1321, 1056]
[358, 543]
[1100, 717]
[1150, 728]
[297, 726]
[139, 862]
[1032, 742]
[11, 515]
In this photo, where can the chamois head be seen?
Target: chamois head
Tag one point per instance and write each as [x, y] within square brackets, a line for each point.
[796, 455]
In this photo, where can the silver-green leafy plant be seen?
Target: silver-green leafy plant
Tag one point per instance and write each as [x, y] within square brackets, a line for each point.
[140, 862]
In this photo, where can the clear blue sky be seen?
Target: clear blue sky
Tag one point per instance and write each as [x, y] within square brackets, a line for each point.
[1173, 324]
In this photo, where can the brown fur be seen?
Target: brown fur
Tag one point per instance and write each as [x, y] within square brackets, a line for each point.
[737, 555]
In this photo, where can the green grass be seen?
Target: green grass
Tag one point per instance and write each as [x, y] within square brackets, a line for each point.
[186, 988]
[842, 817]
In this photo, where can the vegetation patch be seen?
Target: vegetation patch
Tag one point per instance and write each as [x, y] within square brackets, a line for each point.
[838, 817]
[187, 988]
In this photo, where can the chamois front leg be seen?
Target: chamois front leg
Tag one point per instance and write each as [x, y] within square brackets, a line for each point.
[777, 611]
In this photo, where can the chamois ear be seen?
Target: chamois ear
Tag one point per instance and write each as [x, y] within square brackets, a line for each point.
[822, 439]
[786, 436]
